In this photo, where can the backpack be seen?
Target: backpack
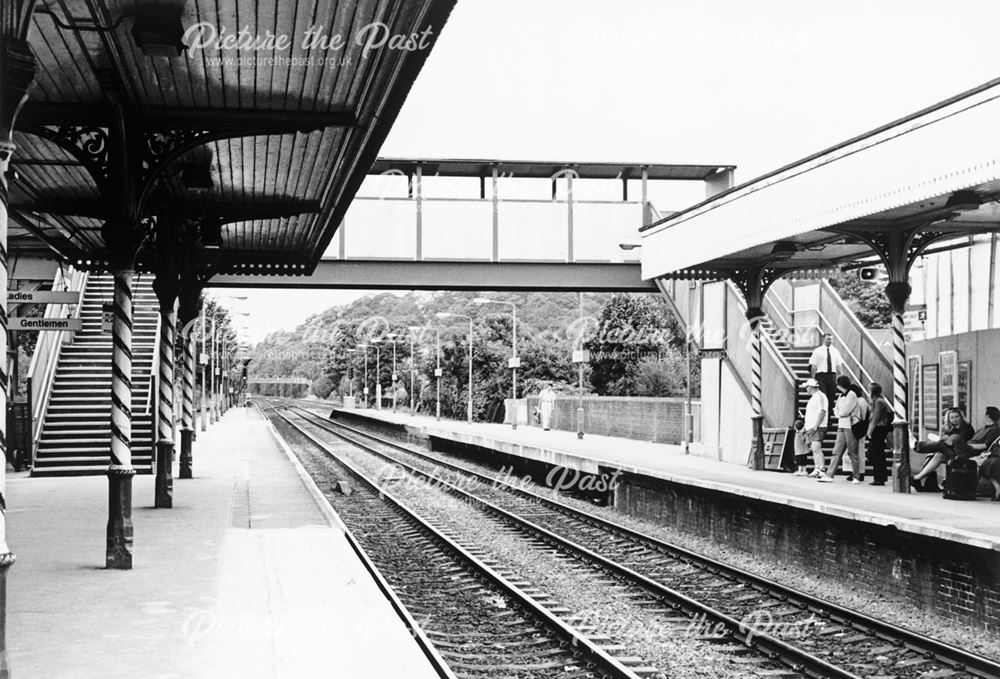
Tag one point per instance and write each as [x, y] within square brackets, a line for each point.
[860, 428]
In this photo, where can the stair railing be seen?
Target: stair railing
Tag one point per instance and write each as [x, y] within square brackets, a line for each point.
[45, 359]
[854, 365]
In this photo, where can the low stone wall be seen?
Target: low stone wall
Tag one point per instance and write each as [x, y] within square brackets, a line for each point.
[660, 420]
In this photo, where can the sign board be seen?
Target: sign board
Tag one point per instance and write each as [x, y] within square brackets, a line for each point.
[965, 388]
[437, 373]
[42, 297]
[42, 324]
[929, 413]
[107, 317]
[714, 353]
[947, 380]
[581, 356]
[913, 368]
[203, 358]
[514, 362]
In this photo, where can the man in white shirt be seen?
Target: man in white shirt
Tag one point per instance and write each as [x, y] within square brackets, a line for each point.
[824, 366]
[816, 419]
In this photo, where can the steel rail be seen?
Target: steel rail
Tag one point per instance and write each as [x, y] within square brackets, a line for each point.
[589, 650]
[958, 659]
[769, 646]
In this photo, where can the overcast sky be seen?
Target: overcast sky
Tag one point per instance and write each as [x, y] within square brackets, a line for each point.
[754, 84]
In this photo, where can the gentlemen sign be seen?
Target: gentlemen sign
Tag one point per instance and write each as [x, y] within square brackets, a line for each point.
[40, 324]
[42, 297]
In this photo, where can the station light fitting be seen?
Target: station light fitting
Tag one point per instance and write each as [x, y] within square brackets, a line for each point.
[157, 29]
[630, 244]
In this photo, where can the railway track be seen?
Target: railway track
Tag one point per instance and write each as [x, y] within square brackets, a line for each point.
[808, 634]
[483, 625]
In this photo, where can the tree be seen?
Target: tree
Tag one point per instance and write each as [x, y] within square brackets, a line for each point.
[866, 299]
[630, 329]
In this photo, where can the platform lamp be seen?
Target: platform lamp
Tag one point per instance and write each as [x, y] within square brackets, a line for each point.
[437, 370]
[515, 362]
[350, 368]
[364, 391]
[378, 376]
[448, 314]
[395, 376]
[414, 329]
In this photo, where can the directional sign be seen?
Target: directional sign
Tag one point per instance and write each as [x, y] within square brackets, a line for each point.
[42, 297]
[41, 324]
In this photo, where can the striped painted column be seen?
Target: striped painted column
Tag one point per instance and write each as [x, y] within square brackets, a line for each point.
[187, 408]
[754, 316]
[165, 408]
[120, 473]
[898, 293]
[6, 151]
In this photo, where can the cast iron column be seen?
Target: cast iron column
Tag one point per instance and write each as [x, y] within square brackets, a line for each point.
[17, 70]
[755, 315]
[898, 293]
[165, 408]
[120, 472]
[187, 413]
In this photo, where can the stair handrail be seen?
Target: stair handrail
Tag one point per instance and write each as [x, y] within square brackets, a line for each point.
[767, 339]
[839, 301]
[825, 323]
[48, 348]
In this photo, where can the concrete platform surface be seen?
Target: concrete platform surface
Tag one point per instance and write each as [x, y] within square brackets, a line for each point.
[244, 577]
[973, 523]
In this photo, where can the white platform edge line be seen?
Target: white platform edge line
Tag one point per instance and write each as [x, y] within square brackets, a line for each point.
[334, 519]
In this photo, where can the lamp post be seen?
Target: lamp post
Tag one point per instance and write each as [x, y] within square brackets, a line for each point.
[215, 385]
[365, 390]
[514, 363]
[448, 314]
[392, 338]
[437, 371]
[378, 373]
[413, 330]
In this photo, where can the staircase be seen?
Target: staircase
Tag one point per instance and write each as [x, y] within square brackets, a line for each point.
[798, 360]
[76, 432]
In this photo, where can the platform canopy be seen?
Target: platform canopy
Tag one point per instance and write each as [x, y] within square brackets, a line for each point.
[262, 145]
[934, 174]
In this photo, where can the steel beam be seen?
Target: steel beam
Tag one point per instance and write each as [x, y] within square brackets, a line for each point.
[430, 275]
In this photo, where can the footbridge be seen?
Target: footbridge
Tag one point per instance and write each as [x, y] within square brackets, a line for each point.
[465, 224]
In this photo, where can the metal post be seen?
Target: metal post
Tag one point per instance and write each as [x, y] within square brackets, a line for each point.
[470, 370]
[689, 420]
[187, 413]
[394, 374]
[213, 414]
[437, 372]
[413, 409]
[164, 484]
[120, 471]
[898, 293]
[513, 371]
[204, 402]
[755, 315]
[18, 66]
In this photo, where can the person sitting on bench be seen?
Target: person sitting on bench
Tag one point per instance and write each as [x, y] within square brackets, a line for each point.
[959, 440]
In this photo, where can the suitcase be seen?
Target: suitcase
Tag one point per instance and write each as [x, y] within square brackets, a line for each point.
[961, 479]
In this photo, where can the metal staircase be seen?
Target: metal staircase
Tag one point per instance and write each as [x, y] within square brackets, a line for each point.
[76, 431]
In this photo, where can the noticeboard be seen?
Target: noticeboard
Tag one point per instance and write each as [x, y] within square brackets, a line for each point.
[913, 366]
[929, 410]
[964, 385]
[947, 382]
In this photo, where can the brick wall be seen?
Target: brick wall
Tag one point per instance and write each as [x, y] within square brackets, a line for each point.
[953, 580]
[660, 420]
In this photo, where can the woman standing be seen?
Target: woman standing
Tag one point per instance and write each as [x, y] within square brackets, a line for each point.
[847, 411]
[879, 425]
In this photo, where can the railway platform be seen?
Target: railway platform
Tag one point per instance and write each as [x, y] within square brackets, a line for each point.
[973, 523]
[940, 555]
[246, 576]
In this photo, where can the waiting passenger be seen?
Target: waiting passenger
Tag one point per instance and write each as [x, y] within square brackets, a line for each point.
[817, 418]
[848, 412]
[954, 441]
[879, 425]
[990, 468]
